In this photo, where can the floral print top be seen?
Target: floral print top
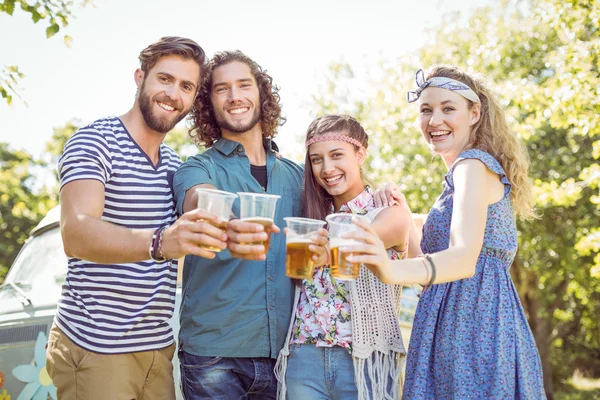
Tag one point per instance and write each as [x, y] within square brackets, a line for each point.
[323, 311]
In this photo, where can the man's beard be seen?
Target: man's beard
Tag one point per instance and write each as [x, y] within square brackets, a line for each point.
[239, 128]
[161, 125]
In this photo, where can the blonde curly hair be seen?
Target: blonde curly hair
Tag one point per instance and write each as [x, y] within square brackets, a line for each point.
[492, 135]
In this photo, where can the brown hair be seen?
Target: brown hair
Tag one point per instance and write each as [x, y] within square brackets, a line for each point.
[205, 130]
[492, 135]
[316, 201]
[171, 45]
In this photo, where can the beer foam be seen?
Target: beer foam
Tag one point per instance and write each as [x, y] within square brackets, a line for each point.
[258, 220]
[298, 240]
[339, 242]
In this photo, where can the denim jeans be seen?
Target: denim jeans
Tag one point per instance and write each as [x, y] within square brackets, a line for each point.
[320, 373]
[227, 378]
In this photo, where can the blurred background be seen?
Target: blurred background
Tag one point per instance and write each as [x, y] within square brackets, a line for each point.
[64, 64]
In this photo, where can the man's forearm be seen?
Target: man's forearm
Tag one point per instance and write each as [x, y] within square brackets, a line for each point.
[190, 202]
[93, 239]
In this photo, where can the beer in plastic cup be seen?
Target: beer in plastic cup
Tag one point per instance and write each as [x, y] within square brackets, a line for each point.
[339, 224]
[259, 208]
[298, 258]
[219, 203]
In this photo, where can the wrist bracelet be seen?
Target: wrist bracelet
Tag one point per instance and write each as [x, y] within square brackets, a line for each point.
[155, 245]
[151, 248]
[421, 257]
[433, 269]
[159, 245]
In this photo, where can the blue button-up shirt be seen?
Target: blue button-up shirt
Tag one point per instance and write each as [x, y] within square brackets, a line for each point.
[233, 307]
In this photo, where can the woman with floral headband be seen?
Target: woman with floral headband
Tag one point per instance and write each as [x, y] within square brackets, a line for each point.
[470, 337]
[345, 340]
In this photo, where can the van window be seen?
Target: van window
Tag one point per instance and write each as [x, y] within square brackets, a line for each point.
[41, 263]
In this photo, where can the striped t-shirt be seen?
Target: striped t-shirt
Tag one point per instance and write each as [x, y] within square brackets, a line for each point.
[119, 308]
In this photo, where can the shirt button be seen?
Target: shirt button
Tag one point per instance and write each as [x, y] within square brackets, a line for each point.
[271, 307]
[239, 149]
[270, 278]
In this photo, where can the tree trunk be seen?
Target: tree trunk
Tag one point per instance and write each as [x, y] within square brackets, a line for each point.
[540, 328]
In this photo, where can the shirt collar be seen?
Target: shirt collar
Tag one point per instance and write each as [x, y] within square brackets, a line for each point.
[227, 146]
[358, 205]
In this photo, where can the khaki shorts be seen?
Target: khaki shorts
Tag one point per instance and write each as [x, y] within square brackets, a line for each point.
[80, 374]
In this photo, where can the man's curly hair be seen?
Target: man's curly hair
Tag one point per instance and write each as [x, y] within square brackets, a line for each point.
[204, 130]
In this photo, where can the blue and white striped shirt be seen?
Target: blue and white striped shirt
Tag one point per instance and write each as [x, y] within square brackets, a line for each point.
[120, 308]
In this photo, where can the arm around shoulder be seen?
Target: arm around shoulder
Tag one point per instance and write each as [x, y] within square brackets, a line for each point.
[392, 226]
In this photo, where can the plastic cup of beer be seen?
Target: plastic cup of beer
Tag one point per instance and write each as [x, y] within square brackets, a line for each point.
[219, 203]
[340, 224]
[298, 258]
[259, 208]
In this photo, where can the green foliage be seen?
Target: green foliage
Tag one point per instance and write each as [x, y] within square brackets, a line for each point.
[179, 141]
[56, 144]
[57, 13]
[9, 78]
[28, 189]
[21, 204]
[543, 60]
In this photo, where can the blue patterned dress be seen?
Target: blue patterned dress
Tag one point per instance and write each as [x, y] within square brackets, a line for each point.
[470, 338]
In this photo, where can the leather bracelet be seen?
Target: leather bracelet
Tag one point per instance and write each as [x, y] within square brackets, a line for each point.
[433, 269]
[159, 245]
[156, 244]
[151, 247]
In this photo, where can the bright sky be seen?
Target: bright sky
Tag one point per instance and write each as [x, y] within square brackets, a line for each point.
[294, 41]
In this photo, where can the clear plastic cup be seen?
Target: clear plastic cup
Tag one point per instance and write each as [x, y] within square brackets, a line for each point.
[259, 208]
[340, 224]
[298, 258]
[219, 203]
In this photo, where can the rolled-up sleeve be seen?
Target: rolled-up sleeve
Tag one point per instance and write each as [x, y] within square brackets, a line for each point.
[195, 171]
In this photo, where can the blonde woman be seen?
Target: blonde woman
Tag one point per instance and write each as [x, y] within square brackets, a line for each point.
[470, 337]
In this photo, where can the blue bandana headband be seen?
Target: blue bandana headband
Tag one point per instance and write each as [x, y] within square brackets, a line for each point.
[444, 83]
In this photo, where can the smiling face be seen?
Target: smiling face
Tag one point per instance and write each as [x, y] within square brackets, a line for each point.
[166, 93]
[446, 121]
[336, 168]
[235, 98]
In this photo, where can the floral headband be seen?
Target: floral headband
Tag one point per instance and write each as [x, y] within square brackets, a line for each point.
[444, 83]
[326, 138]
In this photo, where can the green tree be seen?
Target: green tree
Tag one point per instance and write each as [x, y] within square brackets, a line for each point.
[54, 147]
[543, 58]
[22, 204]
[179, 141]
[56, 13]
